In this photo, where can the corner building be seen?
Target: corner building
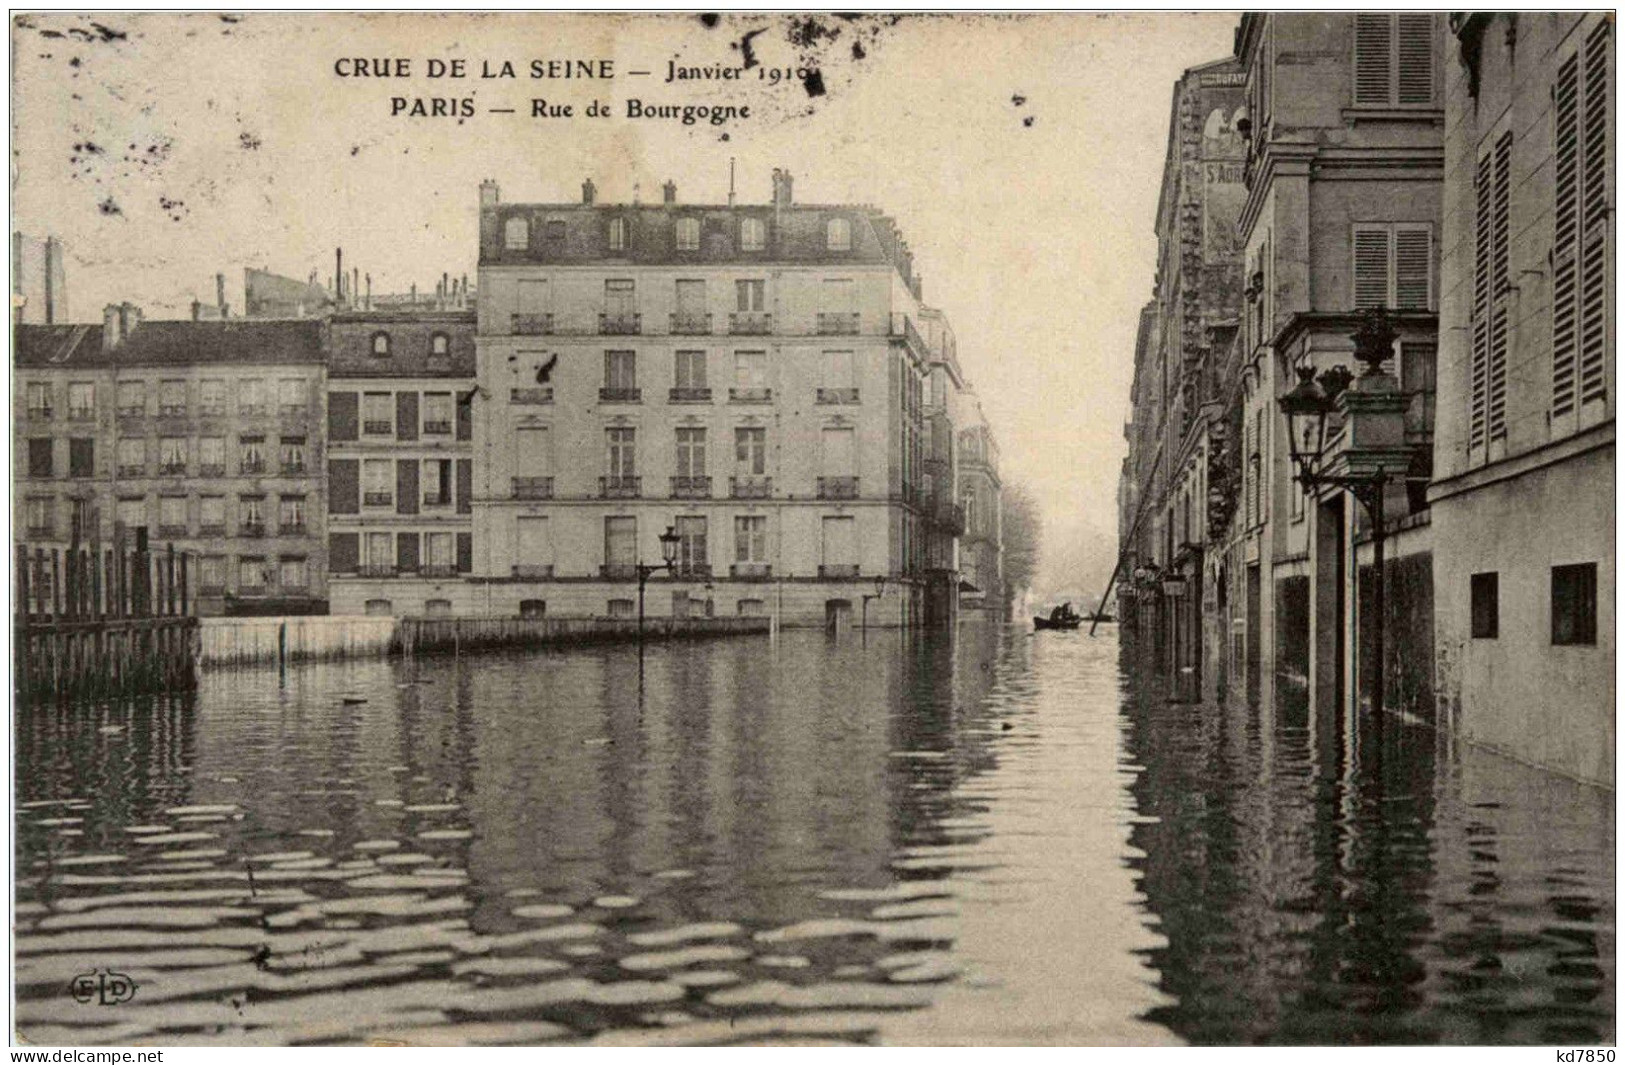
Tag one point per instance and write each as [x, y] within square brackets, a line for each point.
[753, 376]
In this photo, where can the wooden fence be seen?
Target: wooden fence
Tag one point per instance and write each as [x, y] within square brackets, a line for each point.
[431, 635]
[280, 640]
[103, 621]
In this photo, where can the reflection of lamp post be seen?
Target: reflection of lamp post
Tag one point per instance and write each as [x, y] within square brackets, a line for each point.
[880, 590]
[1373, 452]
[668, 551]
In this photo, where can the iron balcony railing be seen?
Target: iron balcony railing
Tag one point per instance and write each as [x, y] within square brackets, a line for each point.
[377, 569]
[253, 466]
[533, 488]
[620, 487]
[252, 529]
[535, 571]
[172, 531]
[172, 410]
[255, 410]
[212, 469]
[837, 323]
[132, 469]
[750, 323]
[530, 396]
[838, 571]
[750, 571]
[692, 571]
[690, 395]
[81, 414]
[620, 395]
[437, 428]
[438, 569]
[618, 571]
[293, 467]
[293, 528]
[172, 469]
[208, 529]
[378, 499]
[40, 413]
[756, 486]
[755, 394]
[620, 323]
[837, 488]
[133, 411]
[530, 325]
[837, 395]
[378, 428]
[685, 323]
[698, 487]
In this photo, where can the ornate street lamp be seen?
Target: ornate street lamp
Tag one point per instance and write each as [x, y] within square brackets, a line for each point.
[880, 590]
[1373, 453]
[668, 551]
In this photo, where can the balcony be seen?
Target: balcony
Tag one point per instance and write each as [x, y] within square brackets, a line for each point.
[80, 414]
[691, 488]
[620, 487]
[690, 395]
[530, 396]
[533, 488]
[212, 410]
[172, 532]
[132, 469]
[207, 529]
[40, 532]
[838, 572]
[618, 571]
[837, 323]
[42, 414]
[378, 428]
[531, 325]
[750, 395]
[692, 571]
[253, 466]
[172, 469]
[837, 395]
[620, 324]
[251, 591]
[378, 499]
[690, 324]
[437, 428]
[293, 468]
[750, 487]
[437, 569]
[534, 571]
[837, 488]
[620, 395]
[436, 499]
[378, 569]
[252, 410]
[252, 529]
[172, 410]
[212, 469]
[750, 571]
[750, 323]
[293, 528]
[211, 590]
[293, 410]
[133, 412]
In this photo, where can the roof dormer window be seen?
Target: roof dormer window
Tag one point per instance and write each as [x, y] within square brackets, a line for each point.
[688, 234]
[380, 345]
[440, 345]
[516, 234]
[617, 234]
[752, 234]
[838, 234]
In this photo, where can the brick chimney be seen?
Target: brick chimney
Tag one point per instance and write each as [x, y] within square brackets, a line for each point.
[490, 194]
[670, 190]
[589, 192]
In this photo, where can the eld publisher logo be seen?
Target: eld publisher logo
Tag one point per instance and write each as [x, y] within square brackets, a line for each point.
[102, 986]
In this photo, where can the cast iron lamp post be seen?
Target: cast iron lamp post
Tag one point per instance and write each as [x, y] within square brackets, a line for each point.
[1373, 454]
[668, 551]
[880, 590]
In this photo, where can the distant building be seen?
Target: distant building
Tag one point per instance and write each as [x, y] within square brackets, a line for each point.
[206, 434]
[39, 281]
[268, 295]
[981, 496]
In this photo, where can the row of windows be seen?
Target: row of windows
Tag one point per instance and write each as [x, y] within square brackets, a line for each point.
[406, 486]
[255, 574]
[751, 234]
[177, 517]
[837, 307]
[1573, 605]
[691, 380]
[252, 397]
[383, 345]
[133, 457]
[434, 553]
[407, 415]
[533, 452]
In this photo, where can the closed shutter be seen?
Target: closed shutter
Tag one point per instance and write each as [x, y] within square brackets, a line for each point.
[1371, 253]
[406, 486]
[406, 415]
[1373, 58]
[1415, 66]
[1565, 260]
[1413, 268]
[1492, 285]
[343, 421]
[465, 552]
[465, 486]
[406, 552]
[343, 552]
[465, 416]
[1393, 60]
[343, 486]
[1594, 253]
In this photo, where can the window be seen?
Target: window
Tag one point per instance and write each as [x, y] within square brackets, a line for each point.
[291, 574]
[1574, 604]
[380, 345]
[617, 234]
[751, 608]
[750, 538]
[693, 556]
[621, 371]
[533, 451]
[752, 235]
[690, 453]
[291, 395]
[82, 458]
[688, 234]
[250, 574]
[838, 234]
[132, 511]
[750, 451]
[533, 608]
[172, 398]
[620, 541]
[437, 414]
[838, 452]
[1393, 265]
[252, 452]
[39, 399]
[437, 482]
[750, 369]
[621, 608]
[172, 515]
[40, 451]
[380, 607]
[380, 552]
[211, 573]
[132, 399]
[535, 541]
[211, 397]
[622, 446]
[212, 514]
[293, 454]
[1393, 60]
[839, 547]
[691, 371]
[81, 401]
[172, 454]
[39, 516]
[1581, 147]
[439, 553]
[620, 297]
[251, 396]
[1485, 588]
[378, 414]
[251, 513]
[211, 456]
[439, 346]
[1492, 287]
[516, 234]
[750, 296]
[290, 516]
[132, 456]
[378, 483]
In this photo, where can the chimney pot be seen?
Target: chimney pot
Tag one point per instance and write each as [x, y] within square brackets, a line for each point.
[589, 192]
[490, 194]
[670, 189]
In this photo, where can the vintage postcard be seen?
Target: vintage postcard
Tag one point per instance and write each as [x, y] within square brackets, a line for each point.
[656, 529]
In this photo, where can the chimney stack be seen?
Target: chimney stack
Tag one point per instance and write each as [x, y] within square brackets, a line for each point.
[589, 192]
[355, 286]
[670, 189]
[338, 275]
[490, 194]
[782, 183]
[369, 292]
[730, 181]
[110, 327]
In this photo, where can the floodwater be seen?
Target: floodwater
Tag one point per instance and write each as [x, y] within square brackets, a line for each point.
[1002, 837]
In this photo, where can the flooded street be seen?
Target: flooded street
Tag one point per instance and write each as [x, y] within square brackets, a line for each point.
[998, 838]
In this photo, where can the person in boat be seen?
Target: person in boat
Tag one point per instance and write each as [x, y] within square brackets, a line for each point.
[1058, 614]
[1066, 612]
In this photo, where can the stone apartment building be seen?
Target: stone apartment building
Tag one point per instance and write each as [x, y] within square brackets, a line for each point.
[1523, 488]
[947, 402]
[752, 376]
[207, 434]
[981, 495]
[400, 461]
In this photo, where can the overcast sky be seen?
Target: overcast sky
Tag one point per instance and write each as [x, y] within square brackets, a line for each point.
[1021, 156]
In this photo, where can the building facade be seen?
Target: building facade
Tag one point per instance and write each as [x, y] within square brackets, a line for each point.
[981, 502]
[400, 461]
[751, 376]
[1523, 489]
[208, 435]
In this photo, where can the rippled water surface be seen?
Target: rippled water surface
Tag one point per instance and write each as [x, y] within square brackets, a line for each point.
[1000, 838]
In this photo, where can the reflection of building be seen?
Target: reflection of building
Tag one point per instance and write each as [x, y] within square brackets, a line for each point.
[400, 469]
[39, 281]
[752, 376]
[981, 497]
[1523, 491]
[207, 434]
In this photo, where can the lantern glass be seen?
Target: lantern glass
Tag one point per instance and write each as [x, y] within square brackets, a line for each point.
[668, 545]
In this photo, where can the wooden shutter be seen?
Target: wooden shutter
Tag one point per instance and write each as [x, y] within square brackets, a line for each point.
[1565, 257]
[465, 486]
[343, 552]
[465, 552]
[1415, 60]
[1371, 254]
[406, 552]
[1413, 268]
[465, 416]
[1373, 58]
[343, 486]
[1594, 253]
[406, 486]
[406, 415]
[342, 419]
